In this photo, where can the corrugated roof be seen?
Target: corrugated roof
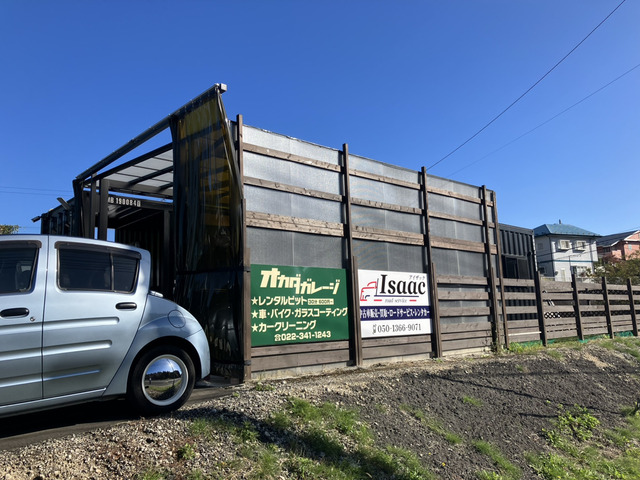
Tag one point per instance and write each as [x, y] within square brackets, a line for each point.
[611, 240]
[562, 229]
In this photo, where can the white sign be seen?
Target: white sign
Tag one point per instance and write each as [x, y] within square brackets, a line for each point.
[393, 303]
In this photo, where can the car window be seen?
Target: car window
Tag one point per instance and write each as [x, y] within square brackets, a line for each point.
[17, 267]
[88, 269]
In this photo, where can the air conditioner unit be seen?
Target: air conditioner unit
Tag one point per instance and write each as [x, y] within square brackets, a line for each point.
[580, 245]
[564, 245]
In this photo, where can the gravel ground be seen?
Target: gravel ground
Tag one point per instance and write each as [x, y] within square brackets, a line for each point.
[506, 400]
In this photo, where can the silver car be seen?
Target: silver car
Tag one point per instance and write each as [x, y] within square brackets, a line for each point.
[79, 323]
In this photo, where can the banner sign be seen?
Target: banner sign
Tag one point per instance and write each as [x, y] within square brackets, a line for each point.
[393, 303]
[298, 304]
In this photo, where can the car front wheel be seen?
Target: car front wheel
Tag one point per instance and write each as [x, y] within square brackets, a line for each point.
[161, 380]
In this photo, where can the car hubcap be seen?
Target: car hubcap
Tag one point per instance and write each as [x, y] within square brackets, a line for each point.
[164, 380]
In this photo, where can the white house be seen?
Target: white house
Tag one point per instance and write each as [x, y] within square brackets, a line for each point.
[563, 249]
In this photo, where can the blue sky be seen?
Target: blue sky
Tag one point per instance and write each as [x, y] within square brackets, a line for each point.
[404, 82]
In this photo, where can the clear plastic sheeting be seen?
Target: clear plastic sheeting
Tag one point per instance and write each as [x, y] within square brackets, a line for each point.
[208, 217]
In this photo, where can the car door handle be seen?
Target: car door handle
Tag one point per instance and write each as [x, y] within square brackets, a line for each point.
[14, 312]
[126, 306]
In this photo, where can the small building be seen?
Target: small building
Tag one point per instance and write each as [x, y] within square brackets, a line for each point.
[297, 257]
[619, 246]
[563, 250]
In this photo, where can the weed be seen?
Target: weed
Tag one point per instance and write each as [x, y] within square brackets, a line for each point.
[186, 452]
[264, 387]
[476, 402]
[577, 422]
[555, 354]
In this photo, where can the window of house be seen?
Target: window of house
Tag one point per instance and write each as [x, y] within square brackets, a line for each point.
[88, 269]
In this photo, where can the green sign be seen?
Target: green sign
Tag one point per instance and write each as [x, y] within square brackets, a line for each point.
[298, 304]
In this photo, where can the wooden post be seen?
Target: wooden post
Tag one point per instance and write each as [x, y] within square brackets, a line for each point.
[493, 293]
[503, 303]
[246, 263]
[539, 304]
[90, 224]
[436, 341]
[103, 215]
[356, 331]
[607, 307]
[632, 304]
[576, 306]
[436, 336]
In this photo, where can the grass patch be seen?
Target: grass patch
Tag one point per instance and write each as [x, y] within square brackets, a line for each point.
[433, 425]
[319, 442]
[264, 387]
[507, 469]
[476, 402]
[526, 348]
[584, 455]
[555, 354]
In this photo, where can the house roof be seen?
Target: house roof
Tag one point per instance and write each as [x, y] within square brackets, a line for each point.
[611, 240]
[562, 229]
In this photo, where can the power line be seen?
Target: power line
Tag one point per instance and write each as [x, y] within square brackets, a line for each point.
[527, 91]
[546, 121]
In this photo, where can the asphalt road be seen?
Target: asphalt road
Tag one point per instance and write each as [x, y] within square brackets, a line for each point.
[21, 430]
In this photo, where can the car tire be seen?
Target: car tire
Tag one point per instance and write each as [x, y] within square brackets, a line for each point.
[161, 380]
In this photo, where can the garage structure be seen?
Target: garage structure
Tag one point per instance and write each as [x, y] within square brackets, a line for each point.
[295, 256]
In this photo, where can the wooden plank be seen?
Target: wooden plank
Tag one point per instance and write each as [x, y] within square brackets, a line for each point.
[559, 308]
[269, 152]
[459, 196]
[519, 296]
[457, 218]
[521, 310]
[613, 296]
[294, 224]
[557, 296]
[514, 282]
[385, 206]
[557, 287]
[370, 353]
[383, 179]
[466, 327]
[464, 311]
[282, 187]
[591, 296]
[529, 337]
[393, 236]
[592, 308]
[453, 345]
[290, 348]
[562, 334]
[455, 244]
[461, 280]
[458, 295]
[515, 324]
[399, 340]
[295, 360]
